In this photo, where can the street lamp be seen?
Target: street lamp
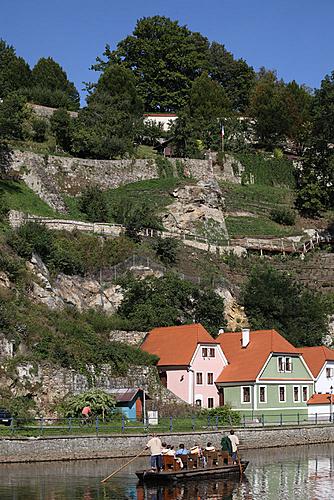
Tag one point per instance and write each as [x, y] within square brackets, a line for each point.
[331, 404]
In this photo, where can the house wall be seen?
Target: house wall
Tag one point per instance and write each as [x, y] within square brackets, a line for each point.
[179, 382]
[164, 121]
[323, 384]
[321, 412]
[207, 365]
[299, 370]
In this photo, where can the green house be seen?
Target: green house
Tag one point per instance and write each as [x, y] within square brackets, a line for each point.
[266, 377]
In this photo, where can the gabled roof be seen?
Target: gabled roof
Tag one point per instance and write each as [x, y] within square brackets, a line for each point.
[320, 399]
[316, 357]
[175, 345]
[125, 395]
[246, 363]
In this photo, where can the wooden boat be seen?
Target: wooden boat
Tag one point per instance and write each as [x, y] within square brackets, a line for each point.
[214, 472]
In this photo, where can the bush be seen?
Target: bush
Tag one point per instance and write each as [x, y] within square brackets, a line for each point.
[93, 203]
[283, 216]
[62, 128]
[165, 167]
[166, 249]
[225, 414]
[99, 401]
[29, 238]
[40, 129]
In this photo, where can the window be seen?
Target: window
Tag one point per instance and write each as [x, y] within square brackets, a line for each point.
[199, 378]
[305, 393]
[212, 352]
[210, 402]
[329, 372]
[198, 402]
[204, 352]
[263, 394]
[284, 364]
[210, 378]
[296, 394]
[246, 395]
[281, 394]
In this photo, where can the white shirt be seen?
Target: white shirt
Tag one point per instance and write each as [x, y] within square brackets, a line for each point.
[234, 441]
[155, 446]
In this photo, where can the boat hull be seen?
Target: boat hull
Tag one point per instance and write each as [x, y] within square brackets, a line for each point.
[192, 474]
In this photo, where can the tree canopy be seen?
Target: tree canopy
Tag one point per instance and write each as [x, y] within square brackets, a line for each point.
[273, 300]
[15, 73]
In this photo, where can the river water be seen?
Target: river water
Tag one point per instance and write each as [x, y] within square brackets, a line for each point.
[299, 473]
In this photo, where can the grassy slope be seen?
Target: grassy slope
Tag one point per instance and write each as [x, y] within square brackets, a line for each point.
[19, 197]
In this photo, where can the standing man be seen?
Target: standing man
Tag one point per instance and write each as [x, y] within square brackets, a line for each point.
[234, 442]
[155, 446]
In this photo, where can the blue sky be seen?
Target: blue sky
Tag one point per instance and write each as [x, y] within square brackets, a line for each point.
[292, 36]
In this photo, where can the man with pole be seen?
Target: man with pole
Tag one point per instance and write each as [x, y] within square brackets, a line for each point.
[155, 447]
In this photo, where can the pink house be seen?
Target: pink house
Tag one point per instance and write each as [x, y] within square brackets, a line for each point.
[190, 362]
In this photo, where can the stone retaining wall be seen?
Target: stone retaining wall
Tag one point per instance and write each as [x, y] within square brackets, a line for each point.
[88, 447]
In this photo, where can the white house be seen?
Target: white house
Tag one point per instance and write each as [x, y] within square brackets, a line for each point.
[164, 120]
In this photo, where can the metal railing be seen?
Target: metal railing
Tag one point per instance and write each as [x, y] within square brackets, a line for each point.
[43, 426]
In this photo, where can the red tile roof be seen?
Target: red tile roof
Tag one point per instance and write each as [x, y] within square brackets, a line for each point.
[316, 357]
[320, 399]
[175, 345]
[246, 363]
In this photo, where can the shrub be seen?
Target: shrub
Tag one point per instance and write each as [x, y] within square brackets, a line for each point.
[283, 216]
[99, 401]
[165, 167]
[93, 203]
[166, 249]
[31, 237]
[40, 129]
[225, 415]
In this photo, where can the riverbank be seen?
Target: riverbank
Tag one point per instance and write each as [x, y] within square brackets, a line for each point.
[87, 447]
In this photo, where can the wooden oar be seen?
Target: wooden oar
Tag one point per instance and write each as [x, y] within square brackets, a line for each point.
[239, 463]
[123, 466]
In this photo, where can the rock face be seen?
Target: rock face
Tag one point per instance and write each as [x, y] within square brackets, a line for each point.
[76, 291]
[196, 206]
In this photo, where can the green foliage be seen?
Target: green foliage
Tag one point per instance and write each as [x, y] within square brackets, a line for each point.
[107, 127]
[283, 216]
[50, 86]
[14, 71]
[40, 129]
[274, 300]
[165, 167]
[323, 110]
[19, 406]
[62, 128]
[235, 76]
[31, 237]
[239, 227]
[226, 415]
[19, 197]
[100, 402]
[93, 203]
[166, 249]
[4, 208]
[5, 159]
[13, 116]
[167, 301]
[165, 59]
[264, 169]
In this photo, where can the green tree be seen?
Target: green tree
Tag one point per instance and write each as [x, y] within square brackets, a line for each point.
[323, 110]
[14, 115]
[107, 127]
[14, 71]
[135, 215]
[235, 76]
[51, 87]
[167, 301]
[166, 249]
[93, 203]
[273, 300]
[165, 58]
[101, 403]
[201, 120]
[62, 128]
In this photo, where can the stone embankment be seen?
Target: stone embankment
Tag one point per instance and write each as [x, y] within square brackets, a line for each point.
[90, 447]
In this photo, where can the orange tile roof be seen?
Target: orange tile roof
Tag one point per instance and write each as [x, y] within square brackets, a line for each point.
[246, 363]
[316, 357]
[320, 399]
[175, 345]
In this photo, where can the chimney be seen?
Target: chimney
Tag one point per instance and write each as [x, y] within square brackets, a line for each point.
[244, 337]
[221, 330]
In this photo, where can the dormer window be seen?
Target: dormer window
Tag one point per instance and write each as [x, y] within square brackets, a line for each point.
[212, 352]
[284, 364]
[329, 372]
[204, 352]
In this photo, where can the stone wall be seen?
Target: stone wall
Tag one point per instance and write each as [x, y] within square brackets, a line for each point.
[129, 338]
[47, 112]
[88, 447]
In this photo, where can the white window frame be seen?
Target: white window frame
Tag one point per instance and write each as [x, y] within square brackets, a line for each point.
[197, 373]
[206, 355]
[265, 394]
[293, 393]
[279, 393]
[214, 352]
[285, 364]
[213, 403]
[329, 370]
[284, 358]
[242, 395]
[207, 378]
[307, 394]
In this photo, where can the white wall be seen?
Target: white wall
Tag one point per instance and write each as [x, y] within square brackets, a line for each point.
[322, 412]
[164, 121]
[323, 383]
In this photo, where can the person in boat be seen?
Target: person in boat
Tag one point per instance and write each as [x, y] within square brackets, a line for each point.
[164, 449]
[226, 445]
[209, 447]
[182, 450]
[155, 447]
[196, 450]
[170, 451]
[234, 442]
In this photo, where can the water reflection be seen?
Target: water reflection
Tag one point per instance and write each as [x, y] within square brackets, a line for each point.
[299, 473]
